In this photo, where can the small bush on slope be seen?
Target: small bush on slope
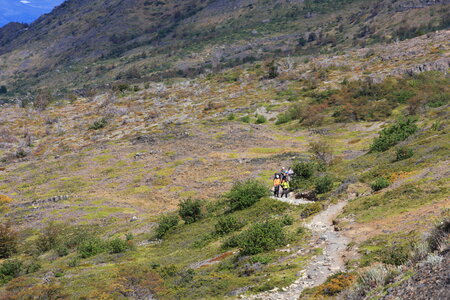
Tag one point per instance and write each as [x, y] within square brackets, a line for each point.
[245, 194]
[403, 153]
[166, 224]
[380, 183]
[324, 184]
[8, 240]
[190, 210]
[262, 237]
[228, 224]
[393, 134]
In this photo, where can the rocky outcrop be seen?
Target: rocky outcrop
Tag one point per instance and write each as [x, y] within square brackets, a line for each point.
[40, 202]
[432, 281]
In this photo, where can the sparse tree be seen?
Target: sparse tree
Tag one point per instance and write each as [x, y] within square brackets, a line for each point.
[322, 151]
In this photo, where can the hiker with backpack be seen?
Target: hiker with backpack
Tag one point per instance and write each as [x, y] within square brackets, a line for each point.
[285, 186]
[276, 185]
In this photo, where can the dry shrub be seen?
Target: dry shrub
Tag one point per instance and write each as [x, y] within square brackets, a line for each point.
[8, 240]
[336, 284]
[131, 282]
[5, 200]
[312, 116]
[6, 136]
[19, 289]
[322, 151]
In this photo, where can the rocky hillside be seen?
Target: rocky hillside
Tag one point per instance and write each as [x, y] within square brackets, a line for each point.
[85, 45]
[134, 193]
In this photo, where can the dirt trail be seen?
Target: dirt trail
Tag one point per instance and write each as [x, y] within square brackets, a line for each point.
[334, 245]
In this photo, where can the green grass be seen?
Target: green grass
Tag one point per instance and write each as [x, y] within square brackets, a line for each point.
[266, 150]
[397, 201]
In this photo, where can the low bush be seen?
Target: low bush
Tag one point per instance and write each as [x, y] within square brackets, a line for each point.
[260, 259]
[8, 240]
[303, 169]
[380, 183]
[117, 246]
[5, 200]
[403, 153]
[228, 224]
[62, 251]
[262, 237]
[91, 247]
[245, 194]
[245, 119]
[438, 100]
[322, 151]
[50, 237]
[393, 134]
[190, 210]
[99, 124]
[10, 269]
[166, 224]
[283, 118]
[439, 237]
[287, 220]
[311, 209]
[336, 284]
[323, 184]
[231, 242]
[260, 119]
[32, 267]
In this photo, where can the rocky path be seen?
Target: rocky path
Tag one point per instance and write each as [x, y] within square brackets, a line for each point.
[334, 245]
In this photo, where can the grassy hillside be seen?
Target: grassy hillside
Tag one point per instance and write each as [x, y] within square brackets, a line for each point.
[92, 185]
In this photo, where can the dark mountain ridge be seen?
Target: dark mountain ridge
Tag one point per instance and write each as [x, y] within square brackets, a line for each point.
[100, 41]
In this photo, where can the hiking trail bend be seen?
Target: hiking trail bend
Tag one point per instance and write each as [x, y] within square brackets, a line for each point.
[330, 261]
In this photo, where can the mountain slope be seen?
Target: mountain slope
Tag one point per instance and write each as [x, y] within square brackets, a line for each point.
[94, 43]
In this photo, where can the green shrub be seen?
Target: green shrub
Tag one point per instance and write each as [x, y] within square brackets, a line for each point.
[393, 134]
[245, 119]
[32, 267]
[323, 184]
[91, 247]
[117, 246]
[245, 194]
[8, 240]
[403, 153]
[260, 259]
[10, 269]
[283, 118]
[99, 124]
[262, 237]
[231, 117]
[380, 183]
[62, 251]
[50, 237]
[231, 242]
[190, 210]
[438, 100]
[396, 255]
[303, 169]
[228, 224]
[311, 209]
[260, 119]
[287, 220]
[74, 262]
[166, 224]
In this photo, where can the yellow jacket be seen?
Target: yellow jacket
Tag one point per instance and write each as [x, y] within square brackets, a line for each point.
[285, 185]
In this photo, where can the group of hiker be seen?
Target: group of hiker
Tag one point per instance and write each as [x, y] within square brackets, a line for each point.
[281, 181]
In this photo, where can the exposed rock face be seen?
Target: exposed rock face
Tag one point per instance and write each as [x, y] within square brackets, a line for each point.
[441, 65]
[432, 281]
